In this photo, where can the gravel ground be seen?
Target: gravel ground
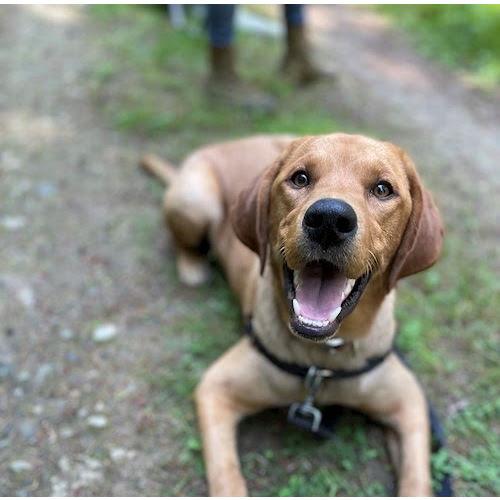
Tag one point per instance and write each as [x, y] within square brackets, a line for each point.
[69, 264]
[81, 307]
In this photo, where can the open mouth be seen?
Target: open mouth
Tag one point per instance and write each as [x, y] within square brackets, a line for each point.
[320, 297]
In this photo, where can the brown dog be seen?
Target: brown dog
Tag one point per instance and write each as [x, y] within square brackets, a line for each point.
[313, 246]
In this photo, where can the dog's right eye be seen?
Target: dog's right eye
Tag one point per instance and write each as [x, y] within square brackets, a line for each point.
[383, 189]
[300, 179]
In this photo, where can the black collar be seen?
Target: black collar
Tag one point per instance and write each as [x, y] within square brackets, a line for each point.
[303, 370]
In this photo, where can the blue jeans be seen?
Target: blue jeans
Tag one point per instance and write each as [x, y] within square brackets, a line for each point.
[220, 22]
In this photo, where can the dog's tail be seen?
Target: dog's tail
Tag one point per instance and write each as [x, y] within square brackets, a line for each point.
[161, 169]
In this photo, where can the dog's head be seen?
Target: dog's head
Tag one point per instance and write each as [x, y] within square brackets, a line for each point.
[334, 212]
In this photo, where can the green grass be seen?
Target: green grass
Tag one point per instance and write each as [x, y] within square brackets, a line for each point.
[157, 84]
[461, 36]
[149, 82]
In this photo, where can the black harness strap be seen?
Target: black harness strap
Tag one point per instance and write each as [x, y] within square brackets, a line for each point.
[302, 371]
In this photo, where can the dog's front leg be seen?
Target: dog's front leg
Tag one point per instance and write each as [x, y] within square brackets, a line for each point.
[235, 386]
[218, 416]
[410, 419]
[396, 399]
[412, 424]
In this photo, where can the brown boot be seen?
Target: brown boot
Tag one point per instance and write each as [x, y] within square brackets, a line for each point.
[222, 65]
[225, 86]
[297, 63]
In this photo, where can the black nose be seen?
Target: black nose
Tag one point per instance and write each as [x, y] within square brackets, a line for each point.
[330, 222]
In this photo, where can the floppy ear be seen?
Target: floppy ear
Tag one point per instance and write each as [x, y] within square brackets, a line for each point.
[422, 240]
[250, 213]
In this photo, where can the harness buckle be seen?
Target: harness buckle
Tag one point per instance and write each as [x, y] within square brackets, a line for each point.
[305, 415]
[313, 380]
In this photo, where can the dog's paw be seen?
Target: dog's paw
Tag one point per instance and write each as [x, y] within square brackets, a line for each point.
[193, 271]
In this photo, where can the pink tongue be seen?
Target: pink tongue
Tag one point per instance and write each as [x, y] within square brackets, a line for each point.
[319, 291]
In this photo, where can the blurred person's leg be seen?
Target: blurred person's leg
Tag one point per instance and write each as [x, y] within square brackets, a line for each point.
[224, 83]
[297, 61]
[220, 25]
[177, 15]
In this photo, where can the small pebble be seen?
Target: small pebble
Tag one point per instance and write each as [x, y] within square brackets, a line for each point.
[46, 190]
[82, 412]
[92, 463]
[64, 464]
[9, 161]
[97, 421]
[26, 296]
[99, 407]
[66, 334]
[23, 376]
[13, 222]
[59, 487]
[66, 433]
[105, 333]
[19, 466]
[18, 392]
[43, 372]
[119, 454]
[37, 410]
[5, 370]
[28, 429]
[71, 357]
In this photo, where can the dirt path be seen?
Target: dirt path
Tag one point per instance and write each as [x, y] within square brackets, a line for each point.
[69, 261]
[75, 416]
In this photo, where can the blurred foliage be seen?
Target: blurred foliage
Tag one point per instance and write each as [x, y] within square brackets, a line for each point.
[166, 74]
[462, 36]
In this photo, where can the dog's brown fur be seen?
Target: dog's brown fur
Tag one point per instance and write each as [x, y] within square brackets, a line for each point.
[395, 239]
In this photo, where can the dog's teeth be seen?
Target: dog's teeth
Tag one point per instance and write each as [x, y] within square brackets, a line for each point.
[296, 280]
[296, 307]
[348, 287]
[335, 313]
[313, 322]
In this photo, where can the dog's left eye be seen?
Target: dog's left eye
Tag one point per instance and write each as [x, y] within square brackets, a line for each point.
[300, 179]
[382, 189]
